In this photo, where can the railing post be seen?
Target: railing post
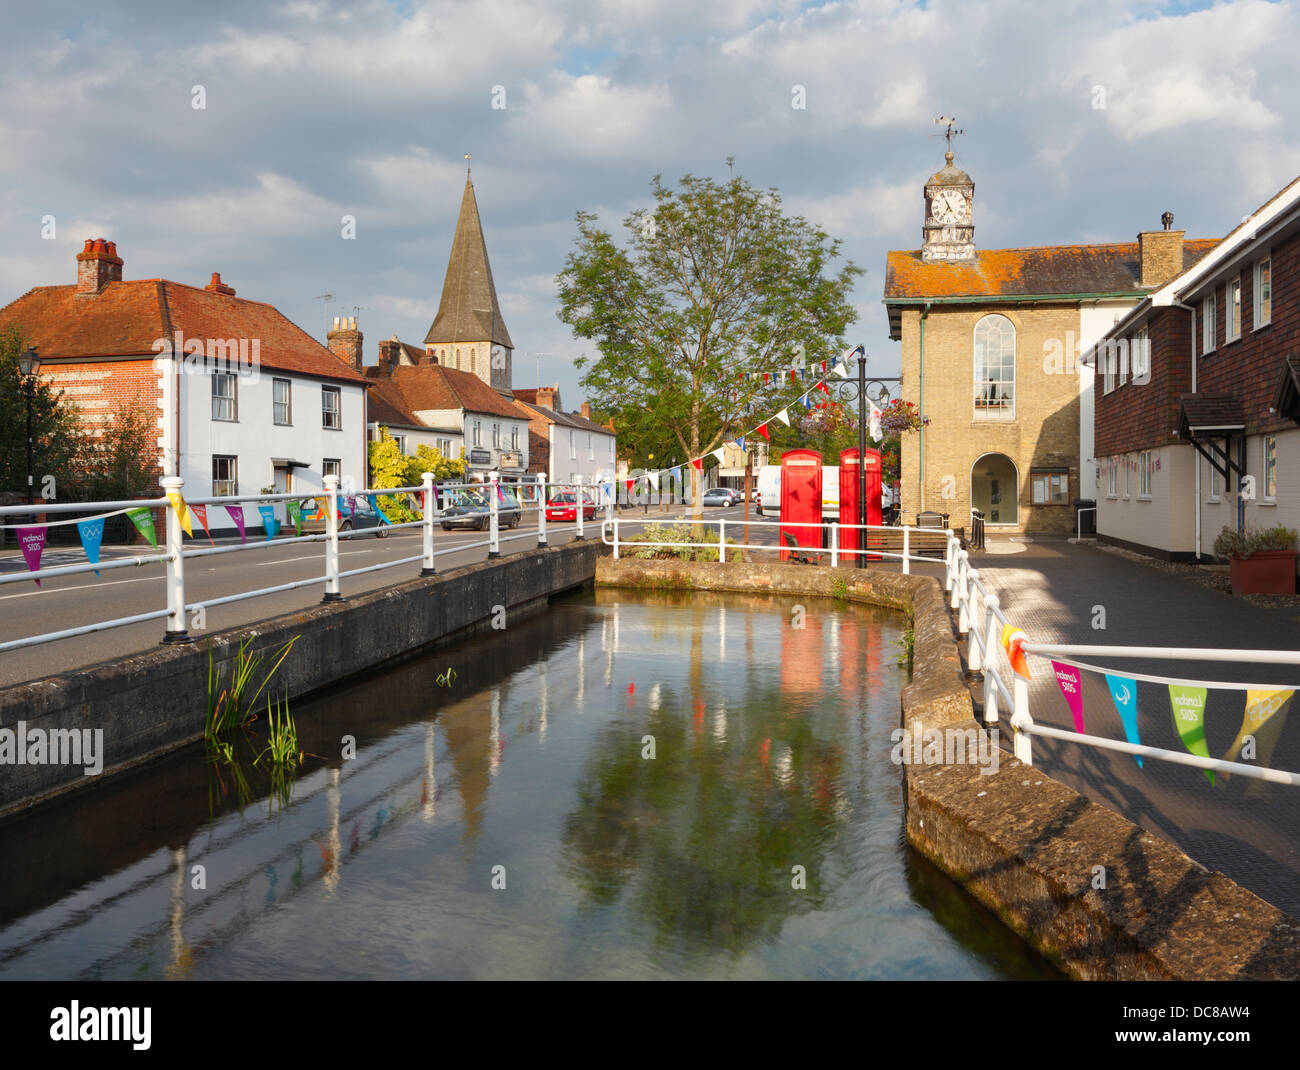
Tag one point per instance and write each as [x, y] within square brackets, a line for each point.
[835, 545]
[175, 632]
[429, 510]
[494, 530]
[332, 542]
[973, 661]
[541, 509]
[722, 542]
[578, 504]
[990, 659]
[907, 562]
[613, 522]
[1023, 741]
[955, 570]
[959, 593]
[948, 564]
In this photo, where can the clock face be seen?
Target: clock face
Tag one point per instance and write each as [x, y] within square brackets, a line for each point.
[948, 206]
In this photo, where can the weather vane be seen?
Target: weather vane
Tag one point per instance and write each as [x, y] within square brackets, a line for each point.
[949, 133]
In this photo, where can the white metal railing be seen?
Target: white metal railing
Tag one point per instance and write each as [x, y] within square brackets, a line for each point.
[1078, 519]
[436, 500]
[835, 551]
[980, 620]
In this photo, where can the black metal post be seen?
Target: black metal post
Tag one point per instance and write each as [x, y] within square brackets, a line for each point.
[862, 457]
[27, 393]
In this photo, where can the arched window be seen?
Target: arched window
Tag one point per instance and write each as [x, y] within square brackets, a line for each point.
[457, 364]
[995, 368]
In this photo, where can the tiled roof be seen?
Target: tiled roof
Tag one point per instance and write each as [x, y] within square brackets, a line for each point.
[1208, 412]
[127, 317]
[387, 405]
[468, 311]
[434, 386]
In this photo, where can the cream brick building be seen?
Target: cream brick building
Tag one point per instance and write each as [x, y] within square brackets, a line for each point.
[991, 341]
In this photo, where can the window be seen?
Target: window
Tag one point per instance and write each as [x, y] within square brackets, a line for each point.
[478, 433]
[591, 450]
[401, 443]
[1145, 464]
[330, 408]
[1112, 489]
[225, 476]
[224, 396]
[995, 368]
[1207, 324]
[473, 361]
[1142, 357]
[332, 466]
[1125, 346]
[573, 451]
[514, 436]
[1108, 363]
[1128, 472]
[282, 389]
[611, 449]
[1270, 468]
[1233, 303]
[496, 436]
[1050, 488]
[1263, 293]
[1216, 483]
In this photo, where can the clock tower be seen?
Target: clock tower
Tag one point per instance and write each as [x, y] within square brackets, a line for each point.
[949, 229]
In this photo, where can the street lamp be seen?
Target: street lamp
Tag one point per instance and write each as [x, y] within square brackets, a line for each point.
[29, 365]
[859, 391]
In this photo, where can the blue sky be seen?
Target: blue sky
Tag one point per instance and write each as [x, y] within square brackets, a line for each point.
[318, 109]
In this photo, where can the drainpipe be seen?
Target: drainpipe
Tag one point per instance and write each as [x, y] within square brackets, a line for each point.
[920, 407]
[1196, 457]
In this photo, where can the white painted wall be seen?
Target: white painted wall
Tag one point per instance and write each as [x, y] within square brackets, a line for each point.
[1164, 521]
[1284, 509]
[594, 465]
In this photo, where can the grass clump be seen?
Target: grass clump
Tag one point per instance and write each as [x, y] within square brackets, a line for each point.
[701, 547]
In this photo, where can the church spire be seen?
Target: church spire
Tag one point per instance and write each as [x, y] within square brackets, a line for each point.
[469, 310]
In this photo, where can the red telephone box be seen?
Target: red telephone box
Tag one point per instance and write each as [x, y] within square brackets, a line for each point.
[872, 471]
[849, 500]
[801, 498]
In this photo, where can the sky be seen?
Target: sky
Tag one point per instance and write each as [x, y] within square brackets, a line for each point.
[1084, 122]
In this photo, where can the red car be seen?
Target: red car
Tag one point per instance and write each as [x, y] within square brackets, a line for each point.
[564, 506]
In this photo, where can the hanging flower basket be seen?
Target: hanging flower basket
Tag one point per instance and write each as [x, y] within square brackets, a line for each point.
[900, 416]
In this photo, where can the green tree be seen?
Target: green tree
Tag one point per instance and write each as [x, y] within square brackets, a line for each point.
[56, 438]
[389, 467]
[717, 282]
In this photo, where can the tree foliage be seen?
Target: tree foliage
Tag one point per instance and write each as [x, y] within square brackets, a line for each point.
[389, 467]
[56, 441]
[716, 281]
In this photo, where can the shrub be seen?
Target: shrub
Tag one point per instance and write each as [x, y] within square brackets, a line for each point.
[1232, 543]
[701, 549]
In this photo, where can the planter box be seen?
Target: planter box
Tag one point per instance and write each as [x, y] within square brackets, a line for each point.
[1265, 572]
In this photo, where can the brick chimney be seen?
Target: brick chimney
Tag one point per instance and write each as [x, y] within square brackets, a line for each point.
[390, 351]
[217, 286]
[586, 411]
[546, 397]
[345, 340]
[1160, 252]
[97, 265]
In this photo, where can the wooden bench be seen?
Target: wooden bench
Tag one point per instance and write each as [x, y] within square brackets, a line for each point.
[924, 542]
[800, 555]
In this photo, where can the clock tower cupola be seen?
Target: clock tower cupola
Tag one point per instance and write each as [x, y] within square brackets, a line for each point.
[949, 231]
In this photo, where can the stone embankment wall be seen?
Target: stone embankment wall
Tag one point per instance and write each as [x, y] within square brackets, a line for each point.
[1023, 844]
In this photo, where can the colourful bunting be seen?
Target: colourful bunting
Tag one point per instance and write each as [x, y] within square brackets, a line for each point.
[762, 430]
[178, 503]
[201, 511]
[92, 534]
[237, 515]
[1123, 692]
[1188, 706]
[1013, 641]
[269, 524]
[784, 417]
[143, 521]
[1071, 685]
[32, 542]
[374, 504]
[295, 514]
[698, 464]
[1262, 721]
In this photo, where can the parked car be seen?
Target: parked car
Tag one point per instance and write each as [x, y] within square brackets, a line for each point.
[564, 506]
[358, 519]
[723, 496]
[472, 509]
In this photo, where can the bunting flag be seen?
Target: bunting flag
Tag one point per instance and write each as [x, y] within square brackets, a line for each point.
[1123, 692]
[874, 428]
[1013, 640]
[807, 404]
[629, 484]
[1071, 685]
[295, 514]
[92, 534]
[201, 511]
[269, 524]
[32, 541]
[794, 375]
[740, 443]
[143, 521]
[698, 464]
[178, 503]
[720, 454]
[1262, 721]
[767, 378]
[237, 515]
[823, 367]
[762, 430]
[374, 504]
[783, 416]
[842, 370]
[653, 478]
[1188, 706]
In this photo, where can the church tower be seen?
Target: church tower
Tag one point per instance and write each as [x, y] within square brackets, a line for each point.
[949, 227]
[468, 333]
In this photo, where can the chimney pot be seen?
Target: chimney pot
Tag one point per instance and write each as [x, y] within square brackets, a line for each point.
[97, 265]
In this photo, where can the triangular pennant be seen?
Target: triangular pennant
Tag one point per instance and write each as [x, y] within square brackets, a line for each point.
[784, 417]
[822, 387]
[1013, 640]
[720, 454]
[1261, 721]
[32, 542]
[92, 534]
[767, 378]
[374, 504]
[143, 521]
[201, 511]
[269, 524]
[178, 503]
[237, 515]
[1071, 685]
[698, 464]
[1123, 692]
[295, 514]
[807, 404]
[1188, 706]
[740, 443]
[762, 430]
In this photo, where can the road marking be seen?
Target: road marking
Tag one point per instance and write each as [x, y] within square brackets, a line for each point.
[84, 587]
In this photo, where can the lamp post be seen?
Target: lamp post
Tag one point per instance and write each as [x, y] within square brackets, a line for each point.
[29, 365]
[851, 391]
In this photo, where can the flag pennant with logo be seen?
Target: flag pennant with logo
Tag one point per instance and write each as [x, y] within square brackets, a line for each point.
[182, 512]
[295, 514]
[1265, 715]
[1071, 685]
[1188, 706]
[1123, 692]
[374, 504]
[269, 524]
[143, 521]
[32, 542]
[92, 534]
[201, 511]
[237, 515]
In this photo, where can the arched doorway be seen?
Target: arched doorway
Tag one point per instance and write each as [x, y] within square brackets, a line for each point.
[995, 489]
